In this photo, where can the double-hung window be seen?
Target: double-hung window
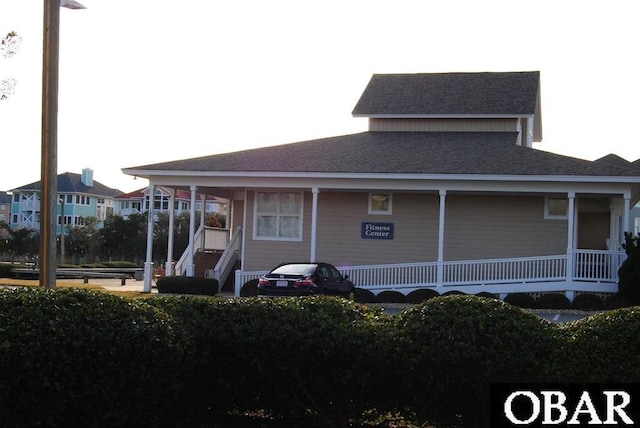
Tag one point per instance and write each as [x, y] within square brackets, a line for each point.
[278, 216]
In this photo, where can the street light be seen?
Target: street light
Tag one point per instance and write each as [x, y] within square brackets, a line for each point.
[49, 150]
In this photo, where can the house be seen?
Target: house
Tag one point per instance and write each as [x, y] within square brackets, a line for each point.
[79, 197]
[444, 190]
[138, 202]
[5, 213]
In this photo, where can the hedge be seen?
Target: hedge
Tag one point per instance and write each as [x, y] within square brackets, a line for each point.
[455, 346]
[307, 357]
[76, 357]
[187, 285]
[602, 348]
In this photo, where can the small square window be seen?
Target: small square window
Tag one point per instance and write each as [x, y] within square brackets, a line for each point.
[556, 208]
[380, 203]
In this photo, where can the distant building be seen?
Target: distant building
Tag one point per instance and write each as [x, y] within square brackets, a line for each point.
[5, 212]
[79, 197]
[138, 202]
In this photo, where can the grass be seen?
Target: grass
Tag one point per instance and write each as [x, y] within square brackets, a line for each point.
[10, 282]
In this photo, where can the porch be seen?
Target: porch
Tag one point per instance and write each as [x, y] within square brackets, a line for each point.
[593, 271]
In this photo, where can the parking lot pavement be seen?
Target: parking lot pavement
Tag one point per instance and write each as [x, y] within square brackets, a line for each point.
[561, 317]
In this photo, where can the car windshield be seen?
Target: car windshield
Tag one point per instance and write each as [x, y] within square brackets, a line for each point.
[295, 269]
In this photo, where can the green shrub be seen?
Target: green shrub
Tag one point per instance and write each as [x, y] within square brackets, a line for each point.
[187, 285]
[629, 272]
[363, 295]
[602, 348]
[390, 296]
[521, 300]
[587, 302]
[487, 295]
[454, 347]
[553, 301]
[74, 357]
[298, 357]
[617, 301]
[5, 270]
[249, 288]
[421, 295]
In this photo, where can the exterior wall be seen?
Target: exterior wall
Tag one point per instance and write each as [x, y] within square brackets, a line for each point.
[341, 214]
[485, 227]
[448, 125]
[634, 220]
[266, 254]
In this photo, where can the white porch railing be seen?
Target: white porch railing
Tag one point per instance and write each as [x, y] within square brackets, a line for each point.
[198, 242]
[588, 266]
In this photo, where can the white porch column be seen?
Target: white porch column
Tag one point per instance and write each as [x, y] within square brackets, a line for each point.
[237, 285]
[571, 222]
[314, 223]
[191, 267]
[169, 265]
[203, 210]
[440, 272]
[148, 264]
[625, 216]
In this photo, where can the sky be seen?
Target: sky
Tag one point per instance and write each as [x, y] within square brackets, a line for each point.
[148, 81]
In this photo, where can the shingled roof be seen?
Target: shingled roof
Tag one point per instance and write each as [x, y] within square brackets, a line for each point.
[452, 94]
[69, 182]
[492, 153]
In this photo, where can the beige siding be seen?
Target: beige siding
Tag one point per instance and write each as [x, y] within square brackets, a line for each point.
[476, 227]
[593, 230]
[444, 125]
[265, 254]
[340, 216]
[484, 227]
[237, 215]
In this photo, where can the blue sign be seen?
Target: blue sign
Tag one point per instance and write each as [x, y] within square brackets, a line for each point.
[376, 231]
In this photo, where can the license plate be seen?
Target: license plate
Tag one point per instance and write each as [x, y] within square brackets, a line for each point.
[282, 283]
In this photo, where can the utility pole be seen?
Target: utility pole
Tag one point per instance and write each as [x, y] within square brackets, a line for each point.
[49, 148]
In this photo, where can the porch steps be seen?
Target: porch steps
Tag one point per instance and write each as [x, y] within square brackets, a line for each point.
[205, 260]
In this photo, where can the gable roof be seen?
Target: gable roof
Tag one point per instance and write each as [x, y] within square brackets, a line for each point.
[450, 94]
[5, 197]
[69, 182]
[429, 153]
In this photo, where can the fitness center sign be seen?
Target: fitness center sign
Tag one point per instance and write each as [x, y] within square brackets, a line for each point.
[376, 231]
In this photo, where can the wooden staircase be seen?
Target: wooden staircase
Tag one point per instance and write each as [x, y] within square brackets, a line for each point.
[205, 260]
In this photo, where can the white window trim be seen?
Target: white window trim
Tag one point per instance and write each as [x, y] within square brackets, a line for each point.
[381, 212]
[549, 216]
[256, 237]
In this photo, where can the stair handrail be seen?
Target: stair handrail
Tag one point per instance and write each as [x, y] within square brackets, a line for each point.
[229, 256]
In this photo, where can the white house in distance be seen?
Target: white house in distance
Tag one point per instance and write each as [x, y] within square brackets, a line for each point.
[138, 202]
[444, 191]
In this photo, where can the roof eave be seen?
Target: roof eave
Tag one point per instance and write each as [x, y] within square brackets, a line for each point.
[385, 176]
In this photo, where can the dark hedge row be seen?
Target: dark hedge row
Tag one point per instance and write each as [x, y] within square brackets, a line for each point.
[77, 358]
[187, 285]
[185, 360]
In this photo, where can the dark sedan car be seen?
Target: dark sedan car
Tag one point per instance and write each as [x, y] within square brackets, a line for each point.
[303, 279]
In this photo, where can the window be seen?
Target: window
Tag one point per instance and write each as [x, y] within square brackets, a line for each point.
[278, 216]
[69, 199]
[83, 200]
[380, 203]
[556, 208]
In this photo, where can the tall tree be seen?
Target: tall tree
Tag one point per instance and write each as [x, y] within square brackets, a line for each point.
[9, 46]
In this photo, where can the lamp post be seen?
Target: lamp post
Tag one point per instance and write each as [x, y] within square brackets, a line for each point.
[49, 150]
